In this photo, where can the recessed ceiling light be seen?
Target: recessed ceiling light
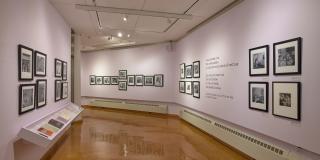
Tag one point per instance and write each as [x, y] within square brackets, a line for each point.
[128, 35]
[119, 34]
[125, 18]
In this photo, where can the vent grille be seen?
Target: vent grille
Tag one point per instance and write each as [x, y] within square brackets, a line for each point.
[143, 104]
[197, 116]
[251, 139]
[108, 101]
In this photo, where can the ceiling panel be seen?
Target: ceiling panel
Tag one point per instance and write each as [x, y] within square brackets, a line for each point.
[132, 4]
[152, 24]
[170, 6]
[115, 20]
[207, 8]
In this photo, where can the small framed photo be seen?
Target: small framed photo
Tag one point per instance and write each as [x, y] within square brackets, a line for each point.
[131, 80]
[149, 80]
[286, 99]
[106, 80]
[99, 80]
[64, 70]
[114, 80]
[122, 85]
[158, 80]
[258, 96]
[64, 90]
[196, 69]
[139, 80]
[58, 68]
[189, 71]
[287, 57]
[41, 93]
[196, 89]
[122, 74]
[57, 90]
[27, 94]
[182, 70]
[40, 67]
[25, 58]
[92, 79]
[182, 87]
[189, 87]
[259, 61]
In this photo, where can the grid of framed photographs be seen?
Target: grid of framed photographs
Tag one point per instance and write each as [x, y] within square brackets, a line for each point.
[191, 72]
[61, 85]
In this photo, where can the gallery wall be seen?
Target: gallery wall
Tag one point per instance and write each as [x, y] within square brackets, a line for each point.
[36, 24]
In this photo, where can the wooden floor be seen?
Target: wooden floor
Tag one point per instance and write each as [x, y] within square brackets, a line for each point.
[123, 135]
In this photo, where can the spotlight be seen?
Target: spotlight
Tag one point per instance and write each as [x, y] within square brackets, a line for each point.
[128, 35]
[125, 18]
[119, 34]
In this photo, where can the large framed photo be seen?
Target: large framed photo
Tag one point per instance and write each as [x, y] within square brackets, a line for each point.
[114, 80]
[106, 80]
[41, 93]
[92, 79]
[258, 96]
[64, 70]
[196, 89]
[189, 71]
[287, 57]
[57, 90]
[139, 80]
[57, 68]
[131, 80]
[182, 70]
[182, 87]
[189, 87]
[122, 74]
[25, 58]
[64, 90]
[286, 99]
[122, 85]
[40, 67]
[149, 80]
[259, 61]
[196, 69]
[158, 80]
[27, 94]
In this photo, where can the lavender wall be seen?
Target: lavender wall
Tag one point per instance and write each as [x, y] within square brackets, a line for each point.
[36, 24]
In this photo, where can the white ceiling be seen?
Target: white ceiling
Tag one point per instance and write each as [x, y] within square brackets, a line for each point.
[142, 29]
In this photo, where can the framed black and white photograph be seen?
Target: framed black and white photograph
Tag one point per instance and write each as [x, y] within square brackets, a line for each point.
[99, 80]
[259, 61]
[149, 80]
[58, 68]
[27, 94]
[92, 79]
[64, 90]
[287, 57]
[189, 87]
[41, 93]
[182, 87]
[196, 89]
[57, 90]
[158, 80]
[25, 58]
[106, 80]
[131, 80]
[182, 70]
[286, 99]
[196, 69]
[139, 80]
[64, 70]
[40, 61]
[122, 74]
[189, 71]
[258, 96]
[114, 80]
[122, 85]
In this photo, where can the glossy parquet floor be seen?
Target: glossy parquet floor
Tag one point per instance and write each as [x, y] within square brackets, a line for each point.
[123, 135]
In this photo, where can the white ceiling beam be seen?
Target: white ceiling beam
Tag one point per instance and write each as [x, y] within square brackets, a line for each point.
[132, 11]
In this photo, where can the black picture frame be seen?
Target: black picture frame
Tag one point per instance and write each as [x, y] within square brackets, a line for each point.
[57, 68]
[159, 80]
[64, 70]
[295, 106]
[131, 80]
[189, 71]
[259, 61]
[23, 99]
[92, 80]
[139, 80]
[182, 70]
[38, 91]
[122, 86]
[57, 90]
[194, 89]
[123, 74]
[287, 63]
[148, 83]
[25, 69]
[37, 63]
[188, 91]
[114, 80]
[182, 87]
[64, 90]
[99, 80]
[196, 69]
[255, 100]
[106, 80]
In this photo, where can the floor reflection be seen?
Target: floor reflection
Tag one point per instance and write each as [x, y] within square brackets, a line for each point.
[123, 135]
